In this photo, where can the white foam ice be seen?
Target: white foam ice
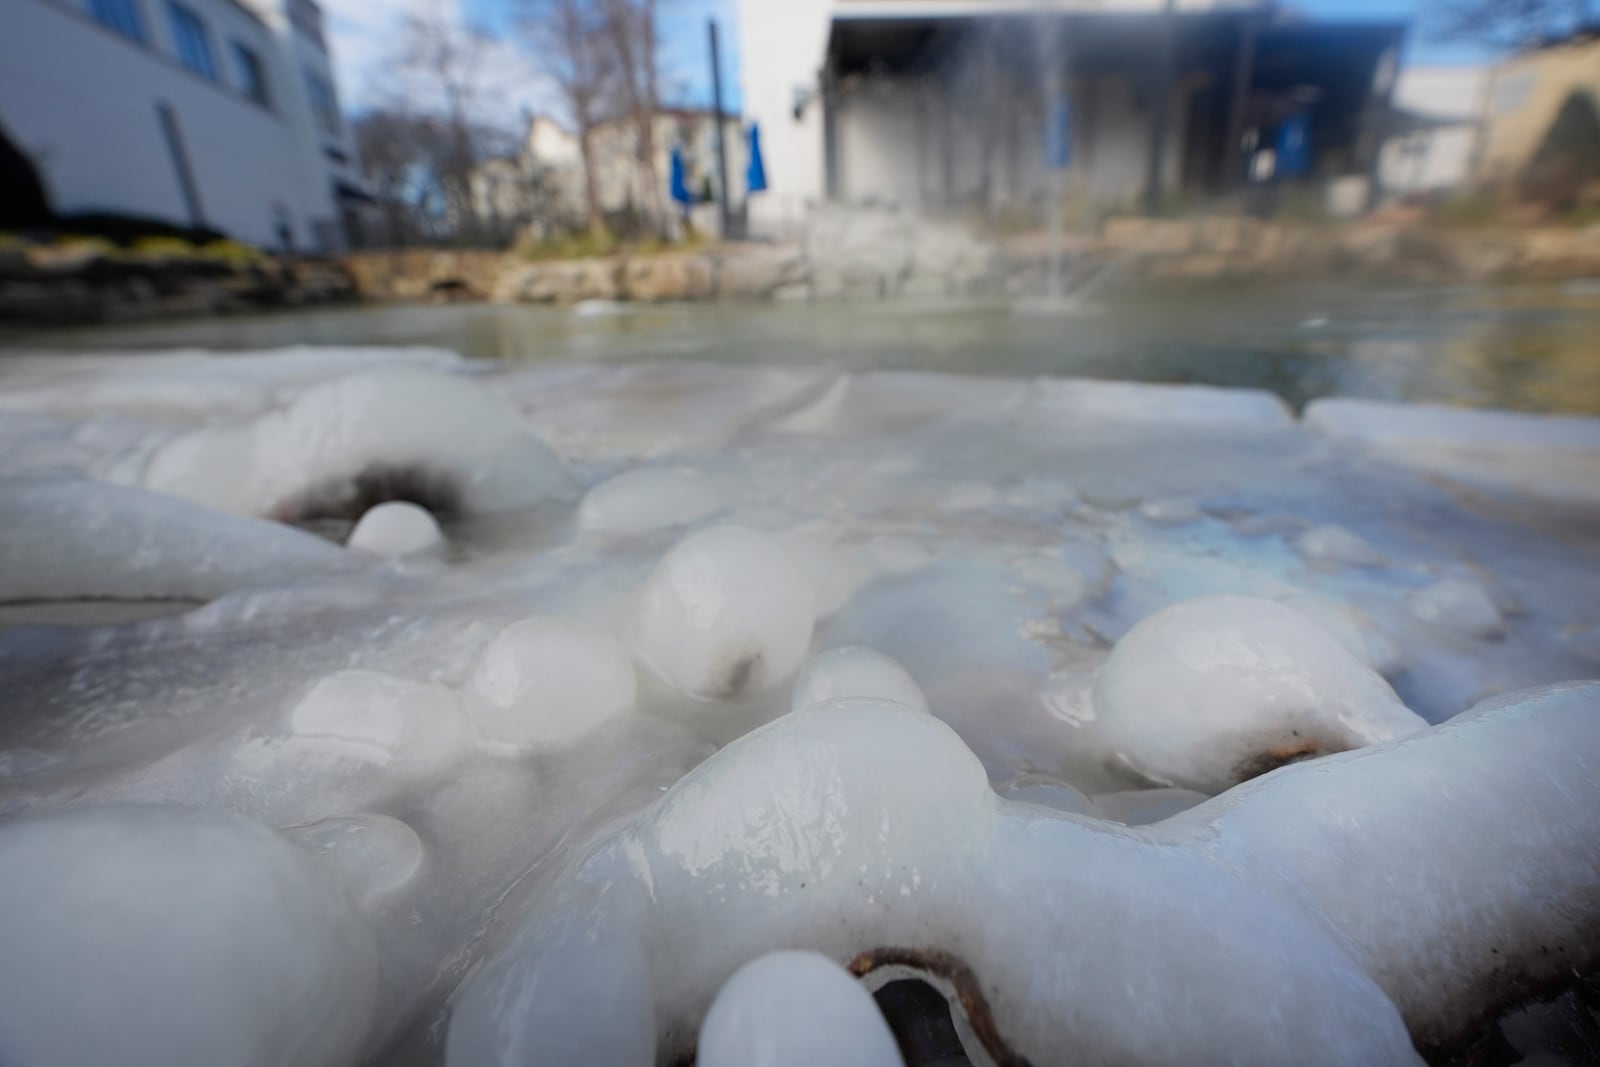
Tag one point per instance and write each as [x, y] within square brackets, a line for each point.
[649, 498]
[842, 673]
[398, 529]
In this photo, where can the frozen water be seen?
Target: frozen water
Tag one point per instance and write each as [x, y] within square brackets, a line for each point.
[370, 717]
[1460, 606]
[1094, 587]
[648, 499]
[840, 673]
[544, 681]
[398, 529]
[158, 935]
[373, 856]
[1210, 692]
[725, 612]
[79, 539]
[794, 1009]
[463, 444]
[1335, 546]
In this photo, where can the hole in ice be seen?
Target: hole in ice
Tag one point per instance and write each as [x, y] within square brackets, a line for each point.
[966, 1008]
[919, 1017]
[332, 508]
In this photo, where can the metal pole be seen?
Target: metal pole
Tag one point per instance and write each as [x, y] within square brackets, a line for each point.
[722, 148]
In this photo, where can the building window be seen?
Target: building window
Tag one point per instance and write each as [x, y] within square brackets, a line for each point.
[323, 104]
[120, 15]
[194, 45]
[252, 75]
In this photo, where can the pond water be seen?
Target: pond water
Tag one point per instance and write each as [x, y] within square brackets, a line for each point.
[1529, 348]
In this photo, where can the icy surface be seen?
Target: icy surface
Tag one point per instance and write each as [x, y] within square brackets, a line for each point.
[1212, 691]
[559, 773]
[543, 682]
[855, 672]
[794, 1009]
[172, 936]
[725, 612]
[398, 529]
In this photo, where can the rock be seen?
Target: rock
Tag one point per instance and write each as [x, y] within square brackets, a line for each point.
[669, 277]
[755, 272]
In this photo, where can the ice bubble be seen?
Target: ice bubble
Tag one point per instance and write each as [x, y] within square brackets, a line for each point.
[362, 439]
[1334, 546]
[835, 572]
[373, 856]
[795, 1009]
[725, 612]
[543, 682]
[176, 937]
[855, 672]
[67, 540]
[1212, 691]
[370, 717]
[649, 499]
[1461, 606]
[396, 529]
[1140, 807]
[1049, 793]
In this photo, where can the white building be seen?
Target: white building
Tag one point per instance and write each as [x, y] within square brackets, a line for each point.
[939, 105]
[1446, 104]
[213, 113]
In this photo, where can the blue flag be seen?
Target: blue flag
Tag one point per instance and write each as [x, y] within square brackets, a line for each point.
[678, 187]
[755, 173]
[1058, 134]
[1293, 149]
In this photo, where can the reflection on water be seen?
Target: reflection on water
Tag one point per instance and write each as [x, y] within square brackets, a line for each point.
[1532, 348]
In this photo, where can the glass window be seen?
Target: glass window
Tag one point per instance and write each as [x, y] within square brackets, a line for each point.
[120, 15]
[323, 103]
[194, 45]
[252, 75]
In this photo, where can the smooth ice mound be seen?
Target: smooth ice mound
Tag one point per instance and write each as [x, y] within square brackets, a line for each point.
[1212, 691]
[78, 539]
[841, 673]
[795, 1009]
[649, 499]
[435, 439]
[725, 612]
[543, 682]
[411, 728]
[398, 529]
[176, 937]
[852, 827]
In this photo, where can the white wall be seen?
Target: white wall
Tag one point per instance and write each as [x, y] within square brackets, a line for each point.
[1435, 159]
[781, 46]
[81, 101]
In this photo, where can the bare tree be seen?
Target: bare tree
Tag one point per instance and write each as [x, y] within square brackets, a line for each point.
[569, 39]
[630, 27]
[1508, 23]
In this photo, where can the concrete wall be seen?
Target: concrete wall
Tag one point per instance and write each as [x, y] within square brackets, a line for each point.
[1525, 93]
[81, 101]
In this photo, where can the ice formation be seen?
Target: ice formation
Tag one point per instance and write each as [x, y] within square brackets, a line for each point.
[725, 612]
[398, 529]
[648, 499]
[794, 1009]
[544, 681]
[855, 672]
[162, 935]
[1212, 691]
[435, 438]
[571, 778]
[79, 539]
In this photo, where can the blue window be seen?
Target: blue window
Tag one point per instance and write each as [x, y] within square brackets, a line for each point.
[252, 75]
[120, 15]
[194, 44]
